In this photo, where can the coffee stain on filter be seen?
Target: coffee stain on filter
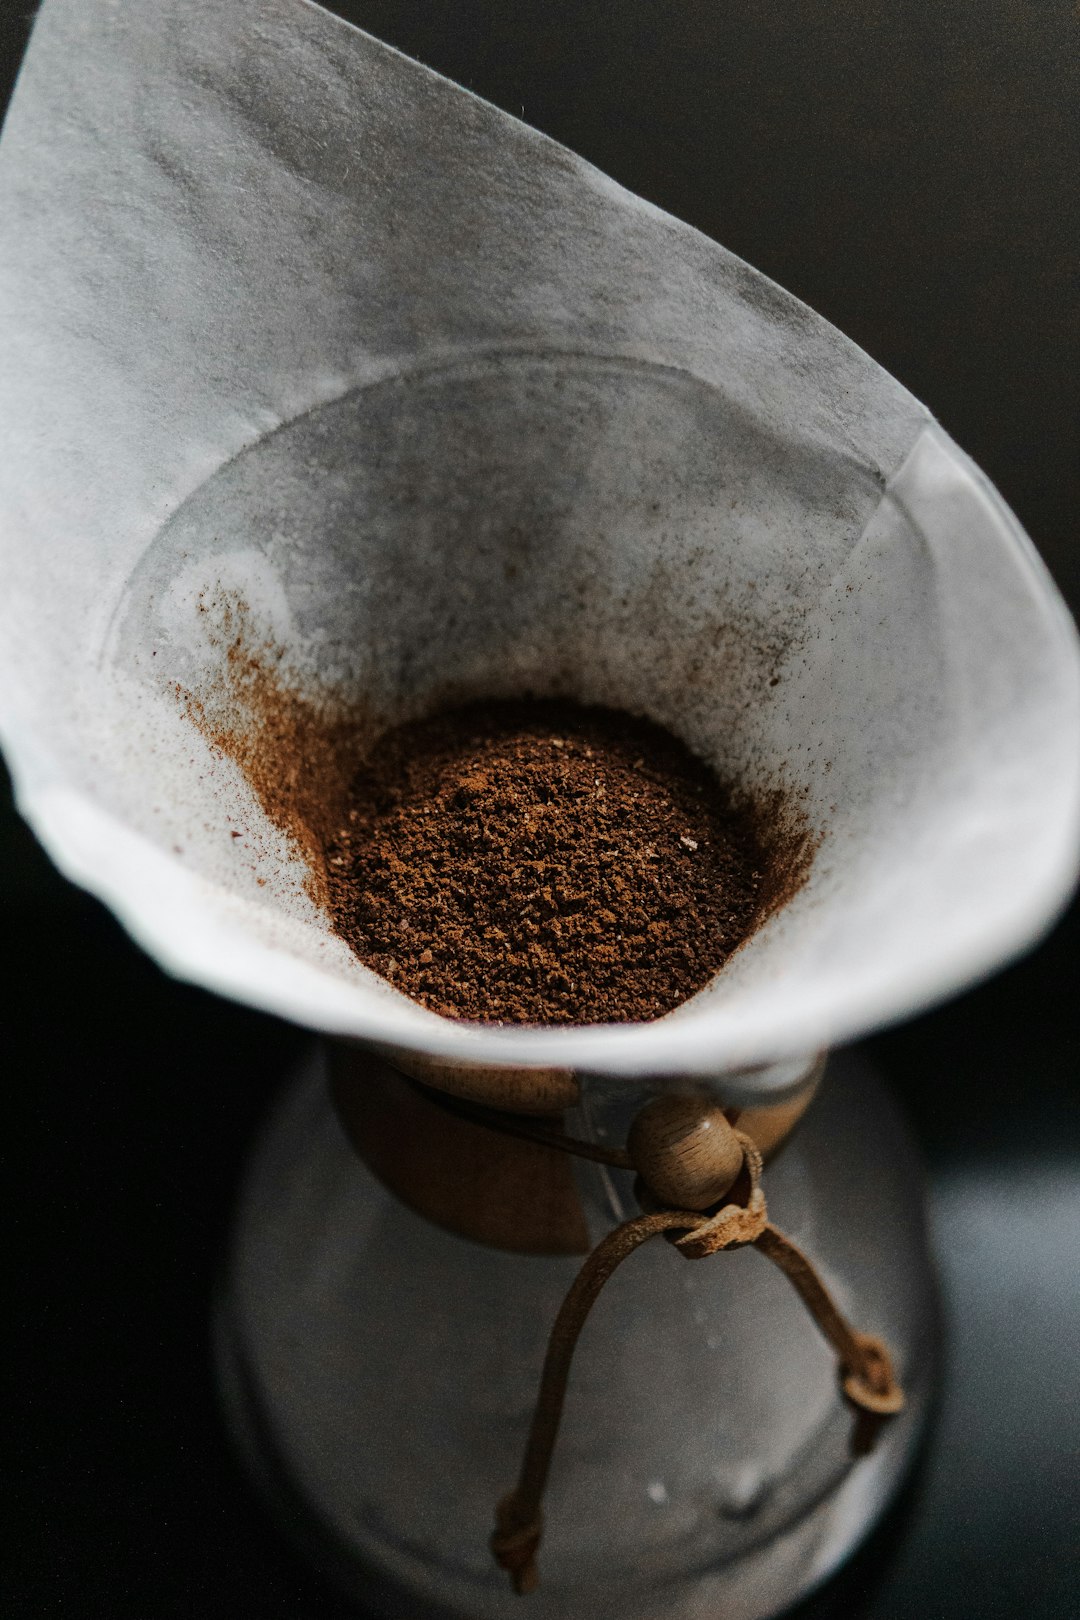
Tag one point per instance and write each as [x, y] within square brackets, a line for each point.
[298, 746]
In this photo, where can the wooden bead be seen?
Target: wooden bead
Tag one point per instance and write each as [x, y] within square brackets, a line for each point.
[685, 1151]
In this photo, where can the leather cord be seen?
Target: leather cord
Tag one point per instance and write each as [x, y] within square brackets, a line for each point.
[866, 1375]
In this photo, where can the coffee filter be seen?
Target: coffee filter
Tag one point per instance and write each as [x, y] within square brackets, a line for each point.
[335, 394]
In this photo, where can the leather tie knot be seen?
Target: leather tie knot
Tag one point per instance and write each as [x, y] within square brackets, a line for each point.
[868, 1380]
[730, 1228]
[735, 1223]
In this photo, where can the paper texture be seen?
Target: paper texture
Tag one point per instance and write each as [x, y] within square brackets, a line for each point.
[289, 321]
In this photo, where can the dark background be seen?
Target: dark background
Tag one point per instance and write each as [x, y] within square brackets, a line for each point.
[909, 169]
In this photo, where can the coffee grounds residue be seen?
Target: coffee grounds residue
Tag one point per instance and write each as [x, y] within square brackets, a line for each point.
[543, 863]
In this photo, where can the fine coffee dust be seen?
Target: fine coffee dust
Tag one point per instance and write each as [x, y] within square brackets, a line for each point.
[542, 863]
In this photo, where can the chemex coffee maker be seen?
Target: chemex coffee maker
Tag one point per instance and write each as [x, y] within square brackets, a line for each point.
[332, 392]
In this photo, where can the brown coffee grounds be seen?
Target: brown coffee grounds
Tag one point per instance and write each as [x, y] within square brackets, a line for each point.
[542, 863]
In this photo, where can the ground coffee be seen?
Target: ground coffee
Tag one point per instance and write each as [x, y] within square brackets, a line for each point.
[542, 863]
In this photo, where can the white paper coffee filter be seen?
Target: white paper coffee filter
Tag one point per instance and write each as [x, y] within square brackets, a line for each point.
[297, 333]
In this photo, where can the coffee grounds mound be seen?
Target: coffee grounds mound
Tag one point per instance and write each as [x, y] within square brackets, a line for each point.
[542, 863]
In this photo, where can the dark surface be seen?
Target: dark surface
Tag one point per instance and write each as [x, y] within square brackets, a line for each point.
[911, 171]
